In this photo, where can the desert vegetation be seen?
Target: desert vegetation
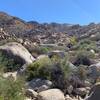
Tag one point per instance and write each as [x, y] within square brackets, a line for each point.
[40, 61]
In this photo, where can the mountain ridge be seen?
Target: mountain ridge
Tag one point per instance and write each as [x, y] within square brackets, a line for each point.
[45, 32]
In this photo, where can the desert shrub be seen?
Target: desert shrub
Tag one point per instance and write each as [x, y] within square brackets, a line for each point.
[83, 58]
[7, 64]
[57, 72]
[11, 90]
[82, 72]
[87, 45]
[39, 68]
[44, 49]
[55, 58]
[40, 50]
[73, 40]
[45, 66]
[60, 73]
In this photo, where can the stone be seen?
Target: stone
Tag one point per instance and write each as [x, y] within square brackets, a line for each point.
[94, 71]
[75, 81]
[70, 89]
[39, 84]
[58, 53]
[28, 98]
[18, 52]
[31, 93]
[68, 97]
[73, 98]
[10, 74]
[20, 40]
[92, 51]
[81, 91]
[51, 94]
[87, 83]
[42, 56]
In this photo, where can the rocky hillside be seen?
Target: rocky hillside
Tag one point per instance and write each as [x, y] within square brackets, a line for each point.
[48, 61]
[11, 26]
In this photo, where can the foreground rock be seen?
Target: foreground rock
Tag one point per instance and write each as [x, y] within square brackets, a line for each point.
[31, 94]
[39, 84]
[10, 74]
[94, 71]
[18, 52]
[67, 97]
[52, 94]
[94, 93]
[81, 91]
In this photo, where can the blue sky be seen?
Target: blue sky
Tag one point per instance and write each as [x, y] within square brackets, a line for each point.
[61, 11]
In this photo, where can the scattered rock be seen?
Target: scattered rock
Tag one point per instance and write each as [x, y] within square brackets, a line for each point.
[10, 74]
[68, 97]
[81, 91]
[87, 83]
[31, 93]
[75, 81]
[73, 98]
[19, 40]
[58, 53]
[42, 56]
[70, 89]
[28, 98]
[92, 51]
[51, 94]
[94, 71]
[39, 84]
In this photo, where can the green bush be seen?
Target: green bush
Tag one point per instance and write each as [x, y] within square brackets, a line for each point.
[8, 64]
[60, 73]
[87, 45]
[40, 50]
[56, 71]
[73, 40]
[55, 58]
[11, 90]
[39, 68]
[83, 58]
[44, 67]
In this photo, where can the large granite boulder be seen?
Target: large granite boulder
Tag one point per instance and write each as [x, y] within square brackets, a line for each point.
[18, 52]
[51, 94]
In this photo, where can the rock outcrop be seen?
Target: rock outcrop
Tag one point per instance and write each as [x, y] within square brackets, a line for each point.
[18, 52]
